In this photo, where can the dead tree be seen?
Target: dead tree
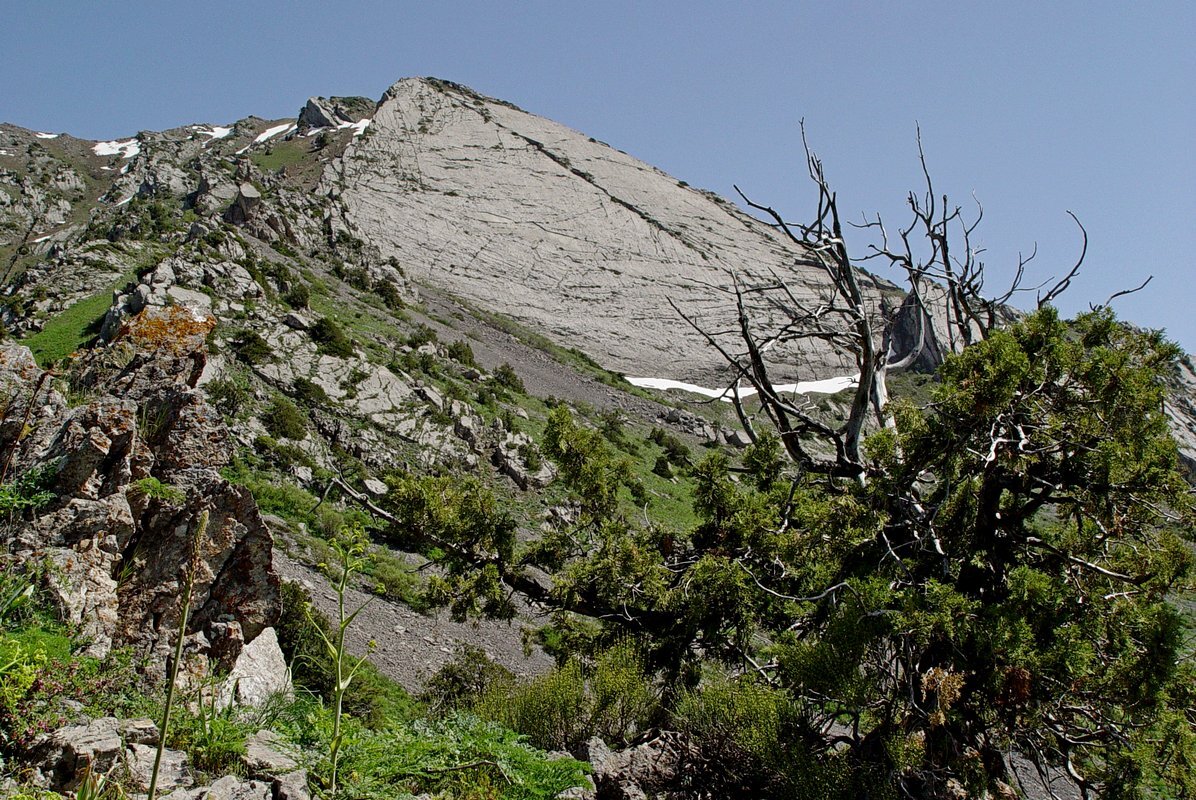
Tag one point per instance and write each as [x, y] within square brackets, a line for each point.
[934, 250]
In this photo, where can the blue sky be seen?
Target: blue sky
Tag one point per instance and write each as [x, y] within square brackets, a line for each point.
[1035, 107]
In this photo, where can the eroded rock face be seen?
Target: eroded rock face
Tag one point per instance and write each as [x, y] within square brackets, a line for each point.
[566, 234]
[131, 469]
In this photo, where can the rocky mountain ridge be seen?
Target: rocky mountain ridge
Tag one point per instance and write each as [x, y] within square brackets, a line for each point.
[261, 315]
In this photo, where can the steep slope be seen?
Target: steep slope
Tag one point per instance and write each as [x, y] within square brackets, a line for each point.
[563, 233]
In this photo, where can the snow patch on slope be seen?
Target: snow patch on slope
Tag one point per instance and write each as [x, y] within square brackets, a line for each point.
[213, 131]
[47, 135]
[127, 149]
[824, 386]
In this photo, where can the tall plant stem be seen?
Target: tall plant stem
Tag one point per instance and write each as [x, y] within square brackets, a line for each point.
[188, 585]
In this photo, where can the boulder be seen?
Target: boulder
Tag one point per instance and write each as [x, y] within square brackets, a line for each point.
[115, 552]
[651, 768]
[245, 205]
[265, 757]
[259, 673]
[139, 766]
[320, 112]
[64, 758]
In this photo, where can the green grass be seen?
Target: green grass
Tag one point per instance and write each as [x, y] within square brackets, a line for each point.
[283, 154]
[74, 327]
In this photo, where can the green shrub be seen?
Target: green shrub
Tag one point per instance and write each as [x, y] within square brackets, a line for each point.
[662, 467]
[153, 488]
[297, 296]
[284, 419]
[457, 757]
[420, 336]
[393, 578]
[530, 454]
[462, 681]
[308, 392]
[506, 377]
[251, 348]
[389, 293]
[230, 394]
[623, 700]
[749, 738]
[330, 338]
[29, 490]
[213, 737]
[39, 673]
[551, 710]
[281, 454]
[614, 699]
[675, 450]
[460, 351]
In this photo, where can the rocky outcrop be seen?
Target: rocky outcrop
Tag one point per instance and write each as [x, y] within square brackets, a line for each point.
[64, 759]
[653, 768]
[566, 234]
[320, 112]
[1181, 409]
[129, 470]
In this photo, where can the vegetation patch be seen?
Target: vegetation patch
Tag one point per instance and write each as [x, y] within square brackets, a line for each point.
[73, 328]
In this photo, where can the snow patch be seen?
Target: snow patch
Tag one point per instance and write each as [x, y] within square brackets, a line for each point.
[127, 149]
[824, 386]
[270, 133]
[358, 127]
[41, 238]
[47, 135]
[127, 199]
[213, 131]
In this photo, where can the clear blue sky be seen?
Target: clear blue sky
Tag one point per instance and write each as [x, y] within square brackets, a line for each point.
[1036, 107]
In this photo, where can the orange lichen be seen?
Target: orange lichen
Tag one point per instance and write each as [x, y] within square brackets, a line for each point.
[175, 328]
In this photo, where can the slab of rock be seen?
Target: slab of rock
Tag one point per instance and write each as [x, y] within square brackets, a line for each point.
[65, 757]
[265, 756]
[172, 772]
[291, 786]
[260, 672]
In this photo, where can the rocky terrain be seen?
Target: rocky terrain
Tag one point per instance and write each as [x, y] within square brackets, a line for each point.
[270, 318]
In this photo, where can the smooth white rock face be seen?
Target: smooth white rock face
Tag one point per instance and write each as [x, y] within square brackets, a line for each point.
[259, 673]
[579, 241]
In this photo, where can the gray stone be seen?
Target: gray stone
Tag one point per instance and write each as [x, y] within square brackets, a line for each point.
[65, 757]
[291, 786]
[375, 487]
[265, 757]
[296, 321]
[259, 673]
[231, 787]
[319, 112]
[172, 773]
[245, 206]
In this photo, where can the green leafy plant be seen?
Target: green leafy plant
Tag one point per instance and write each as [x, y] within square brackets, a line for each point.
[28, 491]
[350, 549]
[251, 348]
[210, 732]
[506, 377]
